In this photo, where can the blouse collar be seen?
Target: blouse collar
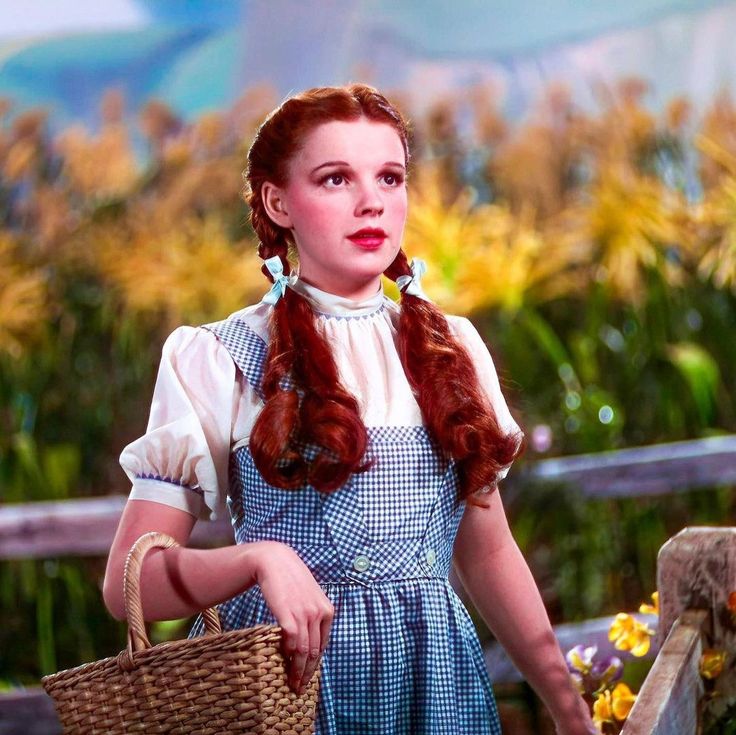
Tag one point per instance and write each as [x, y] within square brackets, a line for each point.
[330, 304]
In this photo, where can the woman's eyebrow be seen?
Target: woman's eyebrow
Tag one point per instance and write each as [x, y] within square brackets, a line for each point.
[345, 163]
[330, 163]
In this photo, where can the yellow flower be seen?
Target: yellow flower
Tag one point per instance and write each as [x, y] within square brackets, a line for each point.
[713, 248]
[622, 700]
[711, 663]
[98, 166]
[627, 221]
[651, 609]
[602, 710]
[628, 634]
[613, 704]
[179, 271]
[482, 256]
[24, 300]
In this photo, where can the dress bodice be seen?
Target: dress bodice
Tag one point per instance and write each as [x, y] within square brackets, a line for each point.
[366, 530]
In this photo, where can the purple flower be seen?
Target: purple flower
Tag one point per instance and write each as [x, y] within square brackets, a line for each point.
[607, 670]
[580, 659]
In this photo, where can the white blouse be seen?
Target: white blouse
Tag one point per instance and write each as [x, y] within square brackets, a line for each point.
[203, 408]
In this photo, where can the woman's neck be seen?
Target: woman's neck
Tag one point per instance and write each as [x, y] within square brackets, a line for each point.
[357, 293]
[326, 302]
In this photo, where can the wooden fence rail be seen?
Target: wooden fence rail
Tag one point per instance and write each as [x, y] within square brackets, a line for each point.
[658, 469]
[79, 527]
[85, 527]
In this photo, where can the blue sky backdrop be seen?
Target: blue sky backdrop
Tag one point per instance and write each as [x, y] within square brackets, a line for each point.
[199, 55]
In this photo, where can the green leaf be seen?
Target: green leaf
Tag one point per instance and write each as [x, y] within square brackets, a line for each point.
[545, 337]
[61, 464]
[700, 371]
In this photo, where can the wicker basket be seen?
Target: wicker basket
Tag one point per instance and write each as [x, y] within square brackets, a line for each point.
[217, 683]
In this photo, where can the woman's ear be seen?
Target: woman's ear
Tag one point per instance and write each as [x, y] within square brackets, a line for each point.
[274, 203]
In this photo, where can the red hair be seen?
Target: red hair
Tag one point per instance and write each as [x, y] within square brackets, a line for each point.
[315, 410]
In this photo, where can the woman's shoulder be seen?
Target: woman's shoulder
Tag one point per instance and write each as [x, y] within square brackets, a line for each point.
[456, 321]
[462, 327]
[467, 334]
[194, 343]
[248, 314]
[188, 348]
[255, 317]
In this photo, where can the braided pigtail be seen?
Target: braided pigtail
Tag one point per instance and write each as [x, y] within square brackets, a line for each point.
[310, 430]
[454, 406]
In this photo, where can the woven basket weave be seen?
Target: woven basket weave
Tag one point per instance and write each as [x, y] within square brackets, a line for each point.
[214, 684]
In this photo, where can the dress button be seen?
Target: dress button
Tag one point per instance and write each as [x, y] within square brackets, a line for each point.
[361, 563]
[431, 557]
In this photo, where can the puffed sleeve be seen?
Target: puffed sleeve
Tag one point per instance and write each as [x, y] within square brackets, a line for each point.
[182, 459]
[487, 376]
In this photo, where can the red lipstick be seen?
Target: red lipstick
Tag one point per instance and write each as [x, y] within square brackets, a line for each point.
[369, 237]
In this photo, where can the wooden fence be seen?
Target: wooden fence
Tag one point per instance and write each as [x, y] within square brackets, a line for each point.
[86, 527]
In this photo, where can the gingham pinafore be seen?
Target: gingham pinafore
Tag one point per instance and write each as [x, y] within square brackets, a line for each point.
[403, 654]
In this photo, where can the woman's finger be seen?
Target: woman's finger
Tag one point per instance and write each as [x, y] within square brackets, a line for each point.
[293, 639]
[324, 630]
[299, 658]
[313, 653]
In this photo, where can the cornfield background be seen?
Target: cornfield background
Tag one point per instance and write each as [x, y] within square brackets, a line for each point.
[595, 252]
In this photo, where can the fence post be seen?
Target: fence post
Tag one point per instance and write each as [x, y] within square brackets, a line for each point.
[696, 571]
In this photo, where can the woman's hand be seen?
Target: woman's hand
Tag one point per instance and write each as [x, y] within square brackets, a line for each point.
[575, 720]
[299, 605]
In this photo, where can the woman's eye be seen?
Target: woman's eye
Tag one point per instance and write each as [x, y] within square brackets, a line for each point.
[392, 179]
[335, 179]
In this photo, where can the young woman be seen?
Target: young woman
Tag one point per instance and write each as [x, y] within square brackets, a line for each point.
[357, 445]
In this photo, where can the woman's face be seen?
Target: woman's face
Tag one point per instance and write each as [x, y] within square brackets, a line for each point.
[347, 177]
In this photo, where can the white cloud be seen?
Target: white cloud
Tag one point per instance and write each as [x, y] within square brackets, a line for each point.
[25, 18]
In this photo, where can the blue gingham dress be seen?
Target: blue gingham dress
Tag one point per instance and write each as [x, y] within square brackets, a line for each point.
[403, 654]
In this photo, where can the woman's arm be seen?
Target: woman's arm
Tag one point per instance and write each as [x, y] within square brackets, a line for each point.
[500, 585]
[176, 582]
[179, 582]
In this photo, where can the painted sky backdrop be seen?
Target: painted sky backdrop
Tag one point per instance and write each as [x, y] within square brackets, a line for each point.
[198, 55]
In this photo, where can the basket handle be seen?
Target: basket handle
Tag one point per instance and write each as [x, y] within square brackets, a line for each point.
[137, 636]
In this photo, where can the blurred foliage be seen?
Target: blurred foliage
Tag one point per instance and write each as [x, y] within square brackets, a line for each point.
[596, 253]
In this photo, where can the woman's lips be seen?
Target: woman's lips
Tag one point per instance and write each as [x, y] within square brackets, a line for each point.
[368, 238]
[370, 242]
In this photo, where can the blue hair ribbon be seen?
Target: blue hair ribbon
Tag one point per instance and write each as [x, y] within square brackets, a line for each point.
[412, 282]
[280, 281]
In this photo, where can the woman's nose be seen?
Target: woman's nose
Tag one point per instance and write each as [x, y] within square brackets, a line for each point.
[369, 201]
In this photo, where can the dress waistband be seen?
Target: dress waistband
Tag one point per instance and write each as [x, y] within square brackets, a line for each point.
[377, 563]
